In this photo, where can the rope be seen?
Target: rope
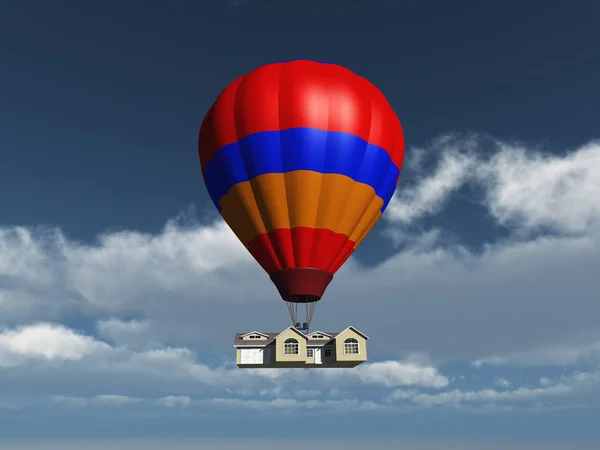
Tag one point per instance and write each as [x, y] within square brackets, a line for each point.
[310, 308]
[293, 314]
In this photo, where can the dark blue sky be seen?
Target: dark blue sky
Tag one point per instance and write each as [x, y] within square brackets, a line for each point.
[100, 102]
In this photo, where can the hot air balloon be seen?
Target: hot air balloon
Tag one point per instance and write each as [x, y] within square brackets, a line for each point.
[301, 158]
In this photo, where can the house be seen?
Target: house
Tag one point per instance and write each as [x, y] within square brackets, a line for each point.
[292, 348]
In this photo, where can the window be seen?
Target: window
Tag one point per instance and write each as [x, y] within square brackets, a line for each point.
[350, 346]
[290, 347]
[310, 352]
[327, 352]
[254, 336]
[317, 336]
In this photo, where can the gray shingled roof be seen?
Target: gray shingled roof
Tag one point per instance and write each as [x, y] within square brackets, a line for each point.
[254, 342]
[238, 342]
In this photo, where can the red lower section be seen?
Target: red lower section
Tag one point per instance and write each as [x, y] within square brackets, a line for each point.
[301, 247]
[301, 284]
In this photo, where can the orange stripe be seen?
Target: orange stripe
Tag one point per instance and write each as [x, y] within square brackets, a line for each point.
[300, 198]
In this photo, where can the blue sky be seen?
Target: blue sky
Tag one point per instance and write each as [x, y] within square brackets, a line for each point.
[120, 288]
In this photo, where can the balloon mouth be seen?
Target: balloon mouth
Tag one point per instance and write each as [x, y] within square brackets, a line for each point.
[301, 284]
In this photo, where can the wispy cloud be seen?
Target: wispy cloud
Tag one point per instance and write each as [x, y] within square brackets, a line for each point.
[522, 188]
[565, 354]
[431, 192]
[547, 394]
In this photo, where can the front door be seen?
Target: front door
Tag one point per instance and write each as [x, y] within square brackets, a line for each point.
[318, 356]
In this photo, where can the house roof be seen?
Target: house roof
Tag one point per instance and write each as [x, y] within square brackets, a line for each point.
[321, 342]
[293, 329]
[255, 332]
[320, 332]
[356, 331]
[239, 342]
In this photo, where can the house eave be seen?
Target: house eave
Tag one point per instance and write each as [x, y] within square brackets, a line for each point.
[356, 331]
[292, 328]
[320, 332]
[254, 332]
[253, 345]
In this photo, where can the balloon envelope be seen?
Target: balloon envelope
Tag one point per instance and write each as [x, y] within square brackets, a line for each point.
[301, 159]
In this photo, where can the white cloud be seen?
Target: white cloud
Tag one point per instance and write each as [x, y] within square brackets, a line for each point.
[530, 190]
[428, 196]
[523, 188]
[134, 333]
[105, 366]
[26, 255]
[488, 395]
[397, 373]
[174, 260]
[548, 394]
[44, 341]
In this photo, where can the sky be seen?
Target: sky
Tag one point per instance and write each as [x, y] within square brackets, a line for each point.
[121, 288]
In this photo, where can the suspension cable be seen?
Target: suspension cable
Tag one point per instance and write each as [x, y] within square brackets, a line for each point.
[309, 308]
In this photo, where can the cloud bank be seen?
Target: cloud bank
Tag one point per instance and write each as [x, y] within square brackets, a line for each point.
[136, 320]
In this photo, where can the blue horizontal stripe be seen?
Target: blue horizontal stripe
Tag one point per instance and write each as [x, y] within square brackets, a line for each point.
[301, 149]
